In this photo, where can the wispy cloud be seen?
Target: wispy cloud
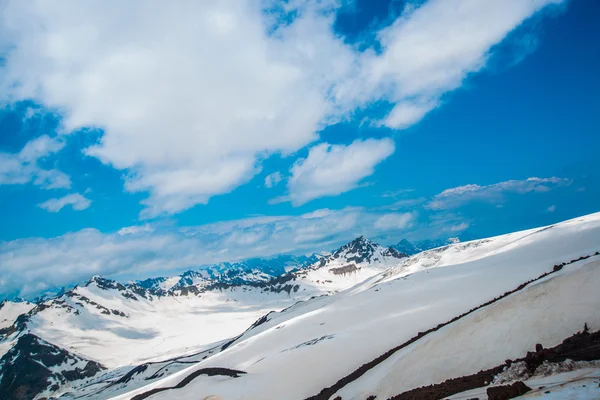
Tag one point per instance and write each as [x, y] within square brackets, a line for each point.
[135, 230]
[404, 204]
[273, 179]
[75, 200]
[495, 193]
[459, 227]
[189, 113]
[394, 221]
[397, 193]
[22, 167]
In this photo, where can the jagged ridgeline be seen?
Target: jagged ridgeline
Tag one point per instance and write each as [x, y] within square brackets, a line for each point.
[61, 343]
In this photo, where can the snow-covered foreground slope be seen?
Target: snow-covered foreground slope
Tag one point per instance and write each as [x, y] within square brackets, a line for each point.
[583, 384]
[309, 347]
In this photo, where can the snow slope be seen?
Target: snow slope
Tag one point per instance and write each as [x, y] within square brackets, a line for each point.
[10, 310]
[310, 346]
[482, 340]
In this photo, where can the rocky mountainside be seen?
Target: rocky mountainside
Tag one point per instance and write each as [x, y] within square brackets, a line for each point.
[34, 367]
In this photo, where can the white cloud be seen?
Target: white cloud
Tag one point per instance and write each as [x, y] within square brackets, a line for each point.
[135, 230]
[458, 196]
[39, 148]
[397, 193]
[22, 167]
[551, 209]
[459, 227]
[273, 179]
[404, 204]
[329, 170]
[431, 49]
[191, 97]
[28, 266]
[406, 114]
[393, 221]
[75, 200]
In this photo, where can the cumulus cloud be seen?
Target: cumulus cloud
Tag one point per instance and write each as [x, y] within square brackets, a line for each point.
[431, 49]
[75, 200]
[29, 266]
[458, 196]
[191, 97]
[329, 170]
[22, 167]
[273, 179]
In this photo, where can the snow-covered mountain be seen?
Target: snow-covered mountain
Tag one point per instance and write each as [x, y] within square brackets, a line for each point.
[39, 369]
[116, 325]
[250, 271]
[412, 248]
[449, 317]
[10, 310]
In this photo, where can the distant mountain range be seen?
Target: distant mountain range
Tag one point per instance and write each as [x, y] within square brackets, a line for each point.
[411, 248]
[58, 343]
[257, 270]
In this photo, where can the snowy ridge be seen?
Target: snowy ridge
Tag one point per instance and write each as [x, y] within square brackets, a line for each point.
[297, 353]
[248, 272]
[36, 368]
[10, 310]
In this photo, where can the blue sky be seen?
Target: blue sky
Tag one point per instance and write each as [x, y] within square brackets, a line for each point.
[142, 140]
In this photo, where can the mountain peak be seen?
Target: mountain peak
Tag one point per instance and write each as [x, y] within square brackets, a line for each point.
[364, 250]
[362, 239]
[104, 283]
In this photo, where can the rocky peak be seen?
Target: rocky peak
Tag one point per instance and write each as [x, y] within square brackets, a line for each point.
[364, 250]
[105, 284]
[150, 283]
[34, 366]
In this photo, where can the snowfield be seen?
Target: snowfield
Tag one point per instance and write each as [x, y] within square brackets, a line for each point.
[152, 329]
[306, 348]
[10, 310]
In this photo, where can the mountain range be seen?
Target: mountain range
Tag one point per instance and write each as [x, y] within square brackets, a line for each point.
[104, 324]
[364, 322]
[411, 248]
